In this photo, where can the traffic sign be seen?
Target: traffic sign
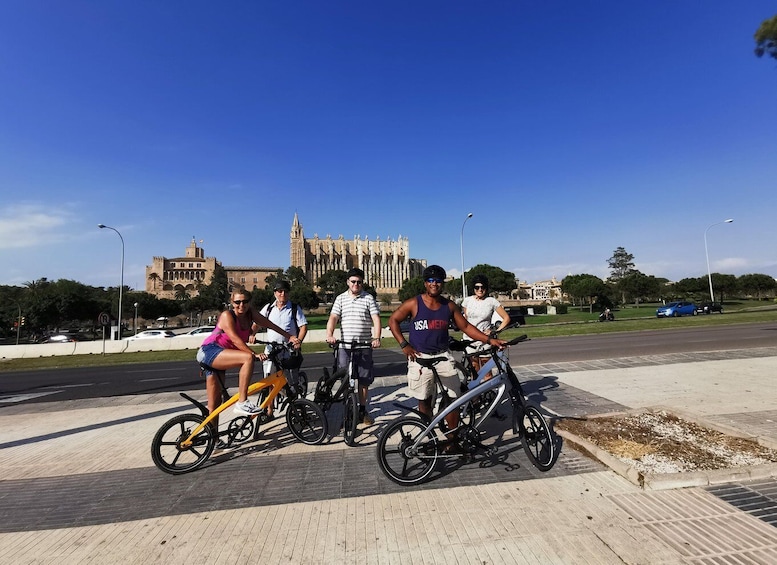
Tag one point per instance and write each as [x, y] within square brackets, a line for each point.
[104, 319]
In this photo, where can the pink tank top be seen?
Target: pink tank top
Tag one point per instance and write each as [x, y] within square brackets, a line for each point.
[221, 339]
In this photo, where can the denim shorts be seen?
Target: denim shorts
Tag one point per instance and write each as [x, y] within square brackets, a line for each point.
[207, 354]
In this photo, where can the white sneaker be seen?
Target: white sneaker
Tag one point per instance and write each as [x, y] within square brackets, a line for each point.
[247, 407]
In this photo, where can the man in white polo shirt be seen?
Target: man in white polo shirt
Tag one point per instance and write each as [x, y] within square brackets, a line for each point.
[359, 317]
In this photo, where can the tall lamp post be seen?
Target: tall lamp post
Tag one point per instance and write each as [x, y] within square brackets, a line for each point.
[463, 284]
[707, 254]
[121, 285]
[136, 318]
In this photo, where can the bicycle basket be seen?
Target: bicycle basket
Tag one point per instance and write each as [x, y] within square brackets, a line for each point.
[293, 361]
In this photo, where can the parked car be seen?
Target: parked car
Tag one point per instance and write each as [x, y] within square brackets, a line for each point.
[675, 309]
[201, 331]
[60, 338]
[709, 308]
[152, 334]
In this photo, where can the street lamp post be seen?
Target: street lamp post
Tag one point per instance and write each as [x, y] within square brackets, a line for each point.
[707, 254]
[463, 284]
[136, 318]
[121, 285]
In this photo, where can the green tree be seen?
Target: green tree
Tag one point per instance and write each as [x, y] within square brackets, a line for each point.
[411, 287]
[305, 296]
[499, 280]
[295, 276]
[638, 286]
[757, 284]
[74, 302]
[621, 265]
[724, 286]
[691, 287]
[766, 38]
[10, 305]
[276, 276]
[215, 293]
[585, 288]
[332, 283]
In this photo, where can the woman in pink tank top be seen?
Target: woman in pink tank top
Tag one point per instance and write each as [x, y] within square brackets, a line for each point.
[225, 348]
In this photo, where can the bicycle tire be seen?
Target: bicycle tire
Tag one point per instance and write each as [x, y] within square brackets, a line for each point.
[306, 421]
[396, 462]
[166, 450]
[536, 437]
[350, 419]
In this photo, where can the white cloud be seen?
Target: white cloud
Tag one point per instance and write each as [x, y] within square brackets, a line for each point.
[31, 225]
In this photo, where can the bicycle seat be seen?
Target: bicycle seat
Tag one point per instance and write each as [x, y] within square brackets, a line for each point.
[429, 362]
[207, 369]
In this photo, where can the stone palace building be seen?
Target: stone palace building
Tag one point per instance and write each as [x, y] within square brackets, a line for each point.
[386, 264]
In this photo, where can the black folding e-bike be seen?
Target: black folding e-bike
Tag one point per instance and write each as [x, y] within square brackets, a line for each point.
[348, 391]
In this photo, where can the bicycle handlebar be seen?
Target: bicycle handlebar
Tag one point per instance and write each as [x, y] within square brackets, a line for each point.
[461, 345]
[353, 344]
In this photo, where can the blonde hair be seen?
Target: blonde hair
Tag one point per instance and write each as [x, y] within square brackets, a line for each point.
[242, 291]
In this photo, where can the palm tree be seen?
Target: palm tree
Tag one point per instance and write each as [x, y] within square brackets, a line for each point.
[181, 293]
[154, 277]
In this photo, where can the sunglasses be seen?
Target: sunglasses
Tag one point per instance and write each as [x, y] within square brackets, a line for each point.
[239, 302]
[281, 290]
[479, 287]
[355, 282]
[438, 281]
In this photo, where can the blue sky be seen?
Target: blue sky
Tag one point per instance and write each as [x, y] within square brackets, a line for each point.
[567, 128]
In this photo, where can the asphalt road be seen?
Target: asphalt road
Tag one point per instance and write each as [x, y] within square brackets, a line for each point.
[53, 385]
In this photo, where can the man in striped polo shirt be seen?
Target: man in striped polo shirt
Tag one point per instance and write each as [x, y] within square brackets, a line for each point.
[359, 317]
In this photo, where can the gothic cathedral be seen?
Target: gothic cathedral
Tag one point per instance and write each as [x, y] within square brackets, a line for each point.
[386, 264]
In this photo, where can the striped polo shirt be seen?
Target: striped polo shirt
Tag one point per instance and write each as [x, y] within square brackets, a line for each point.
[355, 313]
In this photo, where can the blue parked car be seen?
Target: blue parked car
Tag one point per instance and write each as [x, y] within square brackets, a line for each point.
[675, 309]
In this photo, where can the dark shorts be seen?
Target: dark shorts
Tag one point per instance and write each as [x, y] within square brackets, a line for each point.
[363, 362]
[207, 354]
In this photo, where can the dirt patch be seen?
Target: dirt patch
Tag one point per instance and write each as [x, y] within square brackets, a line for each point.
[660, 442]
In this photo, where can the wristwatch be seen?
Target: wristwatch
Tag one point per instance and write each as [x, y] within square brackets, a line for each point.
[403, 344]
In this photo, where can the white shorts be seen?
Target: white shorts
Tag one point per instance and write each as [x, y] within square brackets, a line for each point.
[420, 380]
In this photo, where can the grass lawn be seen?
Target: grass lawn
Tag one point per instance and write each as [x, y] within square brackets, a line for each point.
[575, 322]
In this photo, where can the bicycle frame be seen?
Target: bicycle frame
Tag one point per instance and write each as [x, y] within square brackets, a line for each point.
[498, 383]
[276, 382]
[479, 387]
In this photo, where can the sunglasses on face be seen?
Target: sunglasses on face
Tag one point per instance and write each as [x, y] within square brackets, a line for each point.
[281, 290]
[355, 282]
[438, 281]
[239, 302]
[479, 287]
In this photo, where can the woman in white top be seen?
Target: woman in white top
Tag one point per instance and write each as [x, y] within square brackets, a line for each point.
[479, 311]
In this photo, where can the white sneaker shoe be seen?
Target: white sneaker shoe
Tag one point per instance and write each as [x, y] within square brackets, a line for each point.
[247, 407]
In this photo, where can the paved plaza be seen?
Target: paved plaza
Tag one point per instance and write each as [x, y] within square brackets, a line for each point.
[78, 484]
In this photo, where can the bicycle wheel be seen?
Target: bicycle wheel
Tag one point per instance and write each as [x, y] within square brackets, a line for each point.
[535, 436]
[306, 421]
[350, 419]
[397, 461]
[166, 450]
